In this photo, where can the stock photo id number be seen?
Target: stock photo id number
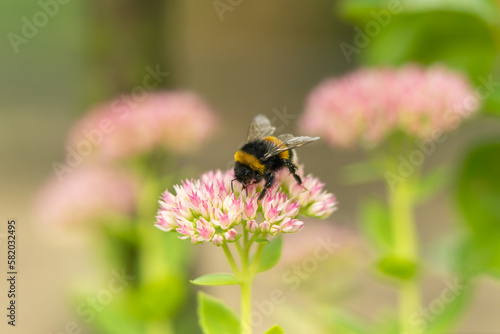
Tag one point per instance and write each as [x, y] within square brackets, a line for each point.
[11, 272]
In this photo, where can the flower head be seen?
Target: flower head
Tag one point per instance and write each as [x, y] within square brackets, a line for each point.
[179, 121]
[207, 210]
[86, 195]
[369, 104]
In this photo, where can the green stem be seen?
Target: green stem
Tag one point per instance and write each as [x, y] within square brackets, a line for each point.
[252, 240]
[405, 247]
[244, 253]
[246, 305]
[256, 258]
[247, 275]
[149, 272]
[230, 259]
[148, 253]
[159, 328]
[409, 306]
[401, 210]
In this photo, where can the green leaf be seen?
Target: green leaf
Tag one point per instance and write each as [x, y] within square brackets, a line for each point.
[431, 183]
[275, 330]
[484, 10]
[453, 311]
[149, 299]
[398, 267]
[270, 255]
[342, 323]
[389, 324]
[438, 37]
[478, 197]
[215, 317]
[217, 279]
[157, 281]
[117, 317]
[492, 103]
[262, 241]
[376, 224]
[466, 257]
[479, 190]
[458, 34]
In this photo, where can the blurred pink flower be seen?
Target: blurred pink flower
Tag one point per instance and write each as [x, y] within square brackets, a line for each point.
[367, 105]
[207, 209]
[179, 121]
[88, 194]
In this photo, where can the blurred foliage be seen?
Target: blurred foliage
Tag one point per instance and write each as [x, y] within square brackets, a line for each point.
[275, 330]
[431, 183]
[478, 198]
[375, 223]
[156, 299]
[217, 279]
[271, 254]
[123, 38]
[464, 35]
[215, 317]
[362, 172]
[343, 323]
[397, 267]
[452, 312]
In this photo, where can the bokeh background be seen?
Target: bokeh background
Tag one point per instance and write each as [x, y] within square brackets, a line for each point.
[263, 57]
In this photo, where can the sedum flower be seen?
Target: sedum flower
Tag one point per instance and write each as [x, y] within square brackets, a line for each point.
[88, 194]
[179, 121]
[368, 104]
[207, 210]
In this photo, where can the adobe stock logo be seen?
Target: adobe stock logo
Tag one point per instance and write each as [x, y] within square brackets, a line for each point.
[423, 317]
[30, 26]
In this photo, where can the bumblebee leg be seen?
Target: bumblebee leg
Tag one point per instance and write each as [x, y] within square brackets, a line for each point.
[292, 169]
[267, 185]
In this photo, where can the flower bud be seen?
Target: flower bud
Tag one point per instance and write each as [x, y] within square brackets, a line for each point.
[252, 226]
[218, 240]
[265, 226]
[231, 234]
[274, 230]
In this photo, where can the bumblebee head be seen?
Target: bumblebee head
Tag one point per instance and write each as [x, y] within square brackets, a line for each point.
[244, 174]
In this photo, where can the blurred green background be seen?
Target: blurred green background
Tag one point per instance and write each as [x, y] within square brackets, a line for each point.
[263, 57]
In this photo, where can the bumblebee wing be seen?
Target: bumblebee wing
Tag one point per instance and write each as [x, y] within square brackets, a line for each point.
[259, 128]
[288, 145]
[285, 138]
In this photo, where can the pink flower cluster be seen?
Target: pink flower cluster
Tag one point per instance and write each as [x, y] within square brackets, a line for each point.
[369, 104]
[87, 194]
[179, 121]
[207, 210]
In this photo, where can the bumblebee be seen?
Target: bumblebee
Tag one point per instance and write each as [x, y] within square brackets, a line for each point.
[263, 155]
